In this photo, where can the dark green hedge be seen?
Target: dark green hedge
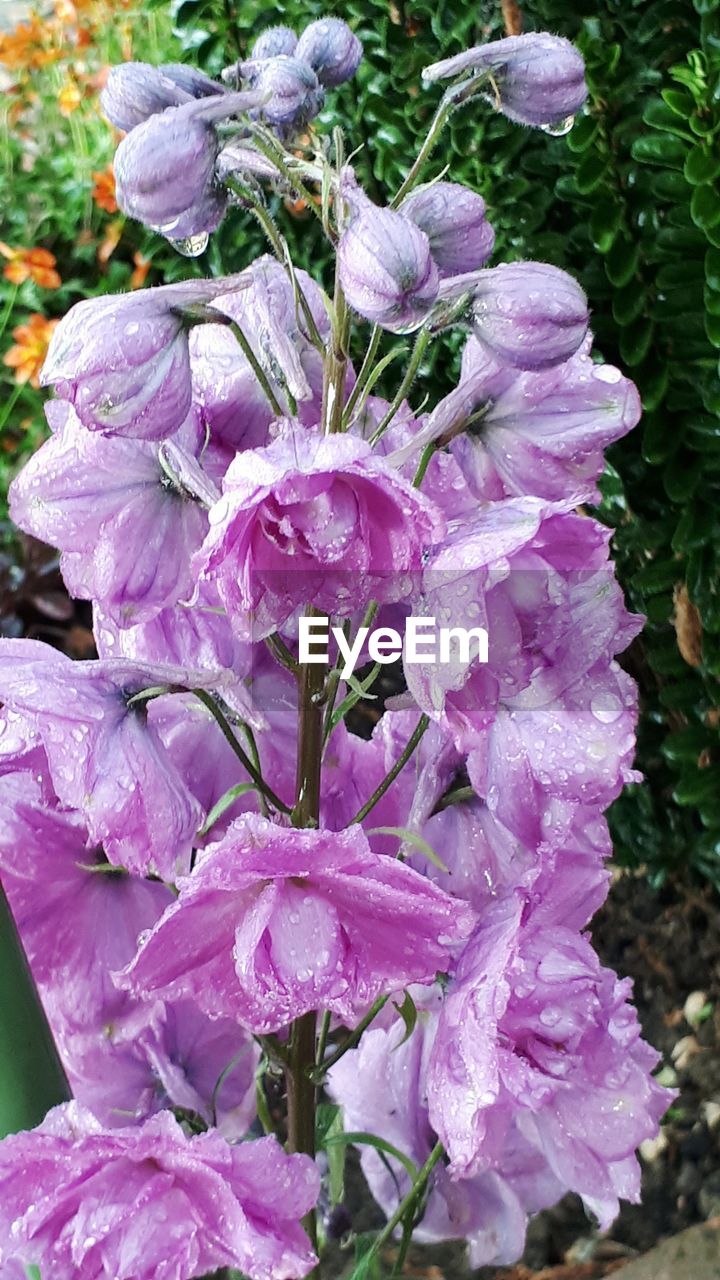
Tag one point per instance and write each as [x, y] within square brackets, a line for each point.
[629, 202]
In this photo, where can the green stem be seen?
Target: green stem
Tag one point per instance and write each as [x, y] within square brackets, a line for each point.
[257, 368]
[421, 345]
[14, 397]
[439, 120]
[350, 1040]
[12, 295]
[208, 701]
[424, 463]
[392, 774]
[323, 1037]
[281, 653]
[365, 370]
[301, 1089]
[408, 1203]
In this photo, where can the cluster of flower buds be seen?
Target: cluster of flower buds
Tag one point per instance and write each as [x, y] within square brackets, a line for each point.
[201, 855]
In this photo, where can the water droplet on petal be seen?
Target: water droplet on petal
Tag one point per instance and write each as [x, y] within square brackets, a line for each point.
[191, 246]
[559, 128]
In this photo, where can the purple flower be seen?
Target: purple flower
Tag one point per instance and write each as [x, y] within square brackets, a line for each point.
[529, 314]
[576, 745]
[225, 384]
[331, 49]
[287, 91]
[387, 270]
[532, 1026]
[126, 514]
[78, 917]
[134, 91]
[123, 360]
[382, 1087]
[274, 41]
[313, 519]
[537, 79]
[541, 432]
[105, 756]
[276, 921]
[165, 168]
[151, 1203]
[453, 219]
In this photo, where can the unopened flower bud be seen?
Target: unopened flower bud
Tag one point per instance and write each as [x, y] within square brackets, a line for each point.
[453, 219]
[291, 90]
[386, 269]
[274, 41]
[331, 49]
[538, 79]
[165, 168]
[123, 361]
[134, 91]
[530, 314]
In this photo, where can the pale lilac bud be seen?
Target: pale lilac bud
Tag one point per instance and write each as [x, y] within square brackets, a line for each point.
[165, 168]
[274, 41]
[123, 360]
[136, 90]
[331, 49]
[538, 78]
[292, 89]
[387, 271]
[453, 219]
[530, 314]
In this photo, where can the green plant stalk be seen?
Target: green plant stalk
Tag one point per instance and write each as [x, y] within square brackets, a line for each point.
[392, 774]
[352, 1038]
[422, 343]
[301, 1090]
[32, 1079]
[209, 702]
[256, 368]
[408, 1204]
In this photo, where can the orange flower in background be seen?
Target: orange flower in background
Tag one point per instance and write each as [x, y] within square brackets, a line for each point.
[139, 275]
[37, 265]
[26, 46]
[69, 98]
[103, 192]
[110, 241]
[27, 356]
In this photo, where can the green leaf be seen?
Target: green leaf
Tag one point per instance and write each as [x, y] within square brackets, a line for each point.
[702, 165]
[621, 262]
[678, 101]
[31, 1077]
[223, 804]
[408, 1013]
[628, 304]
[590, 173]
[635, 341]
[329, 1125]
[605, 222]
[712, 328]
[705, 207]
[659, 149]
[660, 116]
[712, 269]
[360, 1138]
[583, 133]
[412, 837]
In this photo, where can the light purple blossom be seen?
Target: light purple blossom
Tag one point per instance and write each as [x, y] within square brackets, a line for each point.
[276, 921]
[274, 41]
[134, 91]
[105, 756]
[123, 360]
[331, 49]
[127, 514]
[533, 1026]
[382, 1086]
[537, 78]
[112, 1201]
[387, 270]
[453, 219]
[165, 167]
[537, 432]
[79, 918]
[529, 314]
[313, 519]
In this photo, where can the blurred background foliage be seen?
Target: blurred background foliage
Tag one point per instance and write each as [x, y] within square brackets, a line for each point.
[629, 202]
